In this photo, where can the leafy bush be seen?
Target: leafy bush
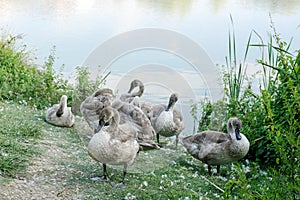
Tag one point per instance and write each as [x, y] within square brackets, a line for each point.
[281, 101]
[23, 82]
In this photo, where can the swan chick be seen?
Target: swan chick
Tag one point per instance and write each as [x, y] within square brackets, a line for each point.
[60, 114]
[93, 104]
[114, 144]
[130, 95]
[167, 120]
[217, 148]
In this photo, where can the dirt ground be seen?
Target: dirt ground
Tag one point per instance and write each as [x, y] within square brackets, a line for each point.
[45, 177]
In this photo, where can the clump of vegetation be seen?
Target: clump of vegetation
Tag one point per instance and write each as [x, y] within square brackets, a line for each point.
[23, 82]
[270, 118]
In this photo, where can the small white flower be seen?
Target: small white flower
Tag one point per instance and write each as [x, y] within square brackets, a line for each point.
[145, 183]
[223, 178]
[247, 169]
[263, 173]
[4, 154]
[195, 175]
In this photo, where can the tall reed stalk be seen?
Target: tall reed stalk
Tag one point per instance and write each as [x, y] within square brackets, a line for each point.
[235, 73]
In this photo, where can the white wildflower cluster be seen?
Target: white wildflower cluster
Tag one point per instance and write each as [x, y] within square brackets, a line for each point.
[263, 173]
[164, 176]
[203, 197]
[144, 184]
[246, 169]
[222, 178]
[23, 102]
[130, 196]
[190, 162]
[195, 175]
[216, 195]
[3, 154]
[232, 168]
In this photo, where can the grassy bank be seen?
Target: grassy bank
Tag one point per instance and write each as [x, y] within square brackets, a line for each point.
[56, 158]
[20, 130]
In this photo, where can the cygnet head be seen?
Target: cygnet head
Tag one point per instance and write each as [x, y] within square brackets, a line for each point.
[64, 98]
[105, 117]
[63, 104]
[172, 100]
[136, 83]
[234, 125]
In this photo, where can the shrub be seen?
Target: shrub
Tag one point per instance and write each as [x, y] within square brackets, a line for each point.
[23, 82]
[281, 102]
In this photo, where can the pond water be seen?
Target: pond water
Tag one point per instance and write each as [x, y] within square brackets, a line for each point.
[171, 45]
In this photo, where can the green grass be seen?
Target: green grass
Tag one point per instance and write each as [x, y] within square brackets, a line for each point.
[20, 129]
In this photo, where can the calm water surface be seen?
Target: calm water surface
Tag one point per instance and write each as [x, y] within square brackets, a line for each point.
[78, 27]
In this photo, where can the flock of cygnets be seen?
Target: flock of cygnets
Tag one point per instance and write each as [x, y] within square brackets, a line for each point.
[127, 125]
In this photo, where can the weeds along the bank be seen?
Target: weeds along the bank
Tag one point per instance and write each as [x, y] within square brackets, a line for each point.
[22, 81]
[270, 117]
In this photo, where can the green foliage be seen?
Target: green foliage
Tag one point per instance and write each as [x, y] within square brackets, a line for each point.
[21, 81]
[270, 118]
[85, 87]
[281, 101]
[250, 182]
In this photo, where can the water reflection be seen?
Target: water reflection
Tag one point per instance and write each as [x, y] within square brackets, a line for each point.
[169, 7]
